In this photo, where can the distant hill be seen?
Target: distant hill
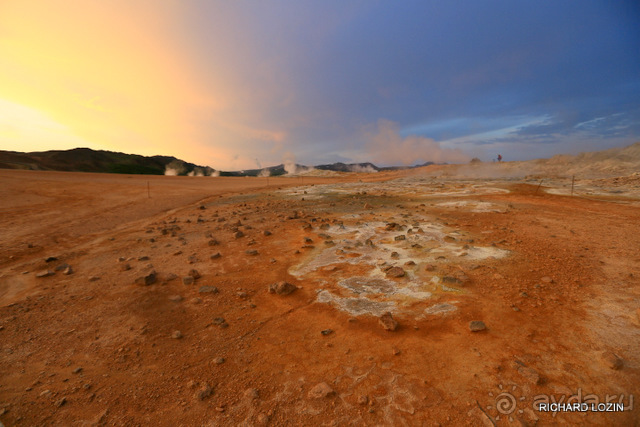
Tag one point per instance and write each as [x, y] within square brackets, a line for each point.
[88, 160]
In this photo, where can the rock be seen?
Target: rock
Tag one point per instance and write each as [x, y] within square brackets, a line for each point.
[215, 256]
[61, 267]
[388, 322]
[50, 259]
[450, 280]
[176, 298]
[363, 399]
[45, 273]
[367, 206]
[266, 233]
[395, 255]
[395, 272]
[252, 393]
[213, 242]
[196, 300]
[410, 263]
[176, 335]
[192, 259]
[530, 374]
[282, 288]
[171, 277]
[147, 280]
[203, 392]
[477, 326]
[320, 391]
[219, 360]
[238, 234]
[430, 267]
[612, 360]
[67, 271]
[60, 402]
[77, 370]
[251, 252]
[327, 332]
[546, 279]
[125, 267]
[143, 258]
[94, 278]
[208, 290]
[194, 273]
[400, 237]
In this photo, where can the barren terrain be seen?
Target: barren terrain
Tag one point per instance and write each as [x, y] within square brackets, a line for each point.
[136, 300]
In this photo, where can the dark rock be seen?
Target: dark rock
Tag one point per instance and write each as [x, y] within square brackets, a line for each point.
[203, 392]
[388, 322]
[148, 279]
[45, 273]
[251, 252]
[327, 332]
[477, 326]
[194, 273]
[395, 272]
[282, 288]
[612, 360]
[188, 280]
[208, 290]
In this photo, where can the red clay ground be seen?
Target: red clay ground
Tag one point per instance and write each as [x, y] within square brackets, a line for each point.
[96, 348]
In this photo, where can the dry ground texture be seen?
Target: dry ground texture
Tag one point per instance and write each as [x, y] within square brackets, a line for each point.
[121, 330]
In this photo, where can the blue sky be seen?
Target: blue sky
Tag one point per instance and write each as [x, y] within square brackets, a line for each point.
[388, 82]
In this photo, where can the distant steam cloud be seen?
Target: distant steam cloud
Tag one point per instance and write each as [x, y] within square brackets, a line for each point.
[264, 172]
[362, 169]
[214, 173]
[387, 146]
[176, 167]
[289, 161]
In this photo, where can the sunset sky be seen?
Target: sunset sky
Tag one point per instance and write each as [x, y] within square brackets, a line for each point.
[246, 84]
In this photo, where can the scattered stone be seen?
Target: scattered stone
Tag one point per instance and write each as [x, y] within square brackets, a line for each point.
[395, 272]
[477, 326]
[546, 279]
[67, 271]
[252, 393]
[148, 279]
[176, 298]
[282, 288]
[242, 294]
[213, 242]
[238, 234]
[251, 252]
[320, 391]
[395, 255]
[45, 273]
[400, 237]
[219, 321]
[196, 300]
[203, 392]
[60, 402]
[50, 259]
[208, 290]
[192, 259]
[188, 280]
[219, 360]
[327, 332]
[388, 322]
[430, 267]
[125, 267]
[143, 258]
[611, 360]
[215, 256]
[171, 277]
[194, 273]
[410, 263]
[61, 267]
[367, 206]
[266, 233]
[94, 278]
[450, 280]
[363, 399]
[176, 335]
[530, 374]
[77, 370]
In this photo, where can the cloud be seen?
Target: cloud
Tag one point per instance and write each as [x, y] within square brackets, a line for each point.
[386, 146]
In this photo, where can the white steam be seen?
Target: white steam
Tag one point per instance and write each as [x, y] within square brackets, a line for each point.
[362, 169]
[289, 162]
[387, 146]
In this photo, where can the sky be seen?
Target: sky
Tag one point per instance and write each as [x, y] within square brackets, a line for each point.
[247, 84]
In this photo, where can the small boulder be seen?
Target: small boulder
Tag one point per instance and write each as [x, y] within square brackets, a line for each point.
[477, 326]
[208, 290]
[388, 322]
[203, 392]
[320, 391]
[45, 273]
[188, 280]
[148, 279]
[395, 272]
[282, 288]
